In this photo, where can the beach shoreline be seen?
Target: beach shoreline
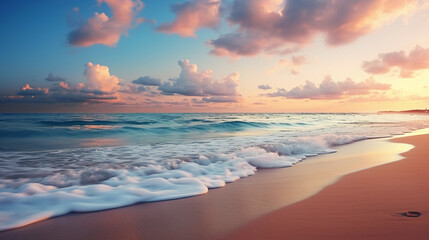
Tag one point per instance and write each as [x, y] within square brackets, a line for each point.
[213, 215]
[221, 211]
[369, 204]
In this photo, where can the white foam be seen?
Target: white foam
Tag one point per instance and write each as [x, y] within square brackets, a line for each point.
[96, 188]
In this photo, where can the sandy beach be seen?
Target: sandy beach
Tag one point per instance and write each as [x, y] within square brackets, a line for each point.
[363, 205]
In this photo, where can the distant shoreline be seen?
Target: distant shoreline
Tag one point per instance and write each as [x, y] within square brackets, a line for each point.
[418, 111]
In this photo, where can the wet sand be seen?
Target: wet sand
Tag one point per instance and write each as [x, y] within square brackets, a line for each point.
[364, 205]
[242, 209]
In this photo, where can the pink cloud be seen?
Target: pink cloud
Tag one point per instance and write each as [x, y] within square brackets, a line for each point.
[64, 85]
[103, 87]
[264, 25]
[417, 59]
[298, 60]
[26, 87]
[98, 78]
[100, 29]
[29, 91]
[293, 65]
[191, 16]
[193, 82]
[329, 89]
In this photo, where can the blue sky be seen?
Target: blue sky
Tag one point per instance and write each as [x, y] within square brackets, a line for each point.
[35, 43]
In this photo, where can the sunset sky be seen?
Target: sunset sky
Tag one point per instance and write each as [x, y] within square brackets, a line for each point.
[214, 56]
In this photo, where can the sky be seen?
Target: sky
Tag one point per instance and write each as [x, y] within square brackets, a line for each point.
[214, 56]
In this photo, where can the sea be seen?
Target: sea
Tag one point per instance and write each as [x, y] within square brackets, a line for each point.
[54, 164]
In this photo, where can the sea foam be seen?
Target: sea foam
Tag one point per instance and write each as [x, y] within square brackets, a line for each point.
[99, 188]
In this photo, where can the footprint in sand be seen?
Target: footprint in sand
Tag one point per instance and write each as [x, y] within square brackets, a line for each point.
[411, 214]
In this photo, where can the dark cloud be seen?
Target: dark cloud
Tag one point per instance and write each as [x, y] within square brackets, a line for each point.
[264, 87]
[133, 89]
[52, 78]
[56, 95]
[148, 81]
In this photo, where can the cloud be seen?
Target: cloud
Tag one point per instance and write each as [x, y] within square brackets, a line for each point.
[240, 44]
[59, 94]
[64, 85]
[52, 78]
[100, 29]
[264, 87]
[221, 99]
[133, 89]
[100, 86]
[191, 16]
[298, 60]
[29, 91]
[192, 82]
[294, 64]
[265, 25]
[329, 89]
[417, 59]
[148, 81]
[98, 78]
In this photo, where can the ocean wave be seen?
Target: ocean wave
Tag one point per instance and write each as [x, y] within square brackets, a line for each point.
[48, 182]
[228, 126]
[93, 122]
[104, 186]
